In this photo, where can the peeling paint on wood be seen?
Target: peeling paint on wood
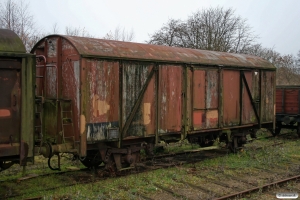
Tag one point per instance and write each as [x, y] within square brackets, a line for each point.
[52, 47]
[170, 100]
[212, 93]
[103, 91]
[135, 75]
[102, 131]
[267, 87]
[212, 119]
[51, 77]
[231, 99]
[99, 107]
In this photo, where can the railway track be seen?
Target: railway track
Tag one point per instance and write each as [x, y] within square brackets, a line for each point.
[260, 188]
[85, 176]
[271, 189]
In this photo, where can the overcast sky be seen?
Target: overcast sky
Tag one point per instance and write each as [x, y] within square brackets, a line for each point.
[276, 22]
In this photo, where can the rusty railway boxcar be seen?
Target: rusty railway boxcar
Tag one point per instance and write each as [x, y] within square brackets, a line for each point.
[16, 101]
[288, 107]
[106, 100]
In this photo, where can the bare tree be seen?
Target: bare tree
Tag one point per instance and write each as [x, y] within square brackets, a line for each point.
[120, 34]
[16, 17]
[55, 29]
[212, 29]
[287, 71]
[287, 68]
[77, 32]
[267, 53]
[298, 62]
[170, 34]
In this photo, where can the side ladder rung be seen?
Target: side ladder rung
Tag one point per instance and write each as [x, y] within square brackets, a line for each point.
[67, 119]
[66, 124]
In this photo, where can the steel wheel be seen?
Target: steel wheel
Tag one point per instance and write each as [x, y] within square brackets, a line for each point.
[92, 159]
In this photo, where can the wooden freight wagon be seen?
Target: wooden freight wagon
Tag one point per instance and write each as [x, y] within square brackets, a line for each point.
[288, 107]
[106, 100]
[17, 79]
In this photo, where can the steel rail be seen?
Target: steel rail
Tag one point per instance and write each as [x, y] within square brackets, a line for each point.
[239, 194]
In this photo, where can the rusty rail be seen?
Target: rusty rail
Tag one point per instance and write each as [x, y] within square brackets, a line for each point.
[239, 194]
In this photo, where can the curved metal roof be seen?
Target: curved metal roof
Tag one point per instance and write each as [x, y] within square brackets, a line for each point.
[10, 42]
[91, 47]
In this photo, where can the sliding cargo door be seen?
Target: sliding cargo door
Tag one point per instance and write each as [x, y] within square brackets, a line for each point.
[205, 99]
[250, 97]
[138, 99]
[241, 97]
[170, 99]
[231, 97]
